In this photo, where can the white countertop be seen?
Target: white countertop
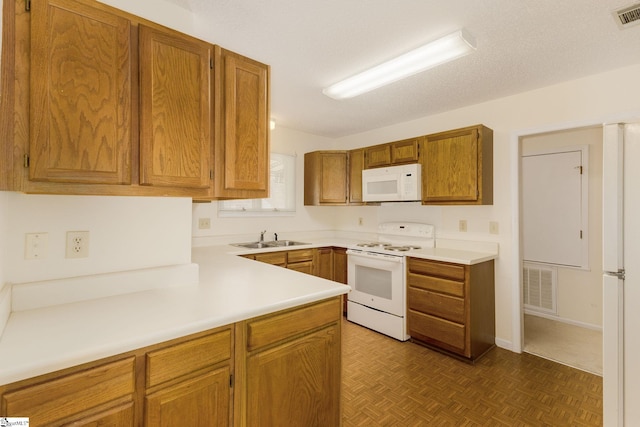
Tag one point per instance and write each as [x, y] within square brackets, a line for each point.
[230, 289]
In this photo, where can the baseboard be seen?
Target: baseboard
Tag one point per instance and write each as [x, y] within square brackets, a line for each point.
[564, 320]
[507, 345]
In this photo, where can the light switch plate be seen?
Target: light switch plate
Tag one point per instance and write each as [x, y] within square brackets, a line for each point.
[493, 227]
[36, 245]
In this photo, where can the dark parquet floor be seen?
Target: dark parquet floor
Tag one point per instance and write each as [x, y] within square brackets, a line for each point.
[390, 383]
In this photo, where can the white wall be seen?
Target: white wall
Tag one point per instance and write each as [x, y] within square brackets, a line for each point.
[588, 101]
[126, 233]
[159, 11]
[579, 295]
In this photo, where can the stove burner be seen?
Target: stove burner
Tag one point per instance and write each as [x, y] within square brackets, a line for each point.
[398, 248]
[373, 245]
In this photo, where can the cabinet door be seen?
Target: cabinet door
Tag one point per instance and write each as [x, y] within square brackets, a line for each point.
[377, 156]
[324, 261]
[199, 402]
[406, 151]
[296, 383]
[325, 178]
[340, 265]
[242, 150]
[451, 171]
[176, 116]
[457, 167]
[340, 271]
[81, 117]
[356, 164]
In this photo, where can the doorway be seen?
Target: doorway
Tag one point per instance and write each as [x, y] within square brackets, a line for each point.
[562, 271]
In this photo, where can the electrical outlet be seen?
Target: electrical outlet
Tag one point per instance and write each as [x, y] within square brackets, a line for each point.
[204, 223]
[77, 244]
[462, 225]
[493, 227]
[36, 245]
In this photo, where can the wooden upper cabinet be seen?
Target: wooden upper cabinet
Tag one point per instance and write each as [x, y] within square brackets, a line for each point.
[405, 151]
[392, 153]
[176, 109]
[356, 165]
[242, 148]
[325, 178]
[377, 156]
[457, 167]
[80, 92]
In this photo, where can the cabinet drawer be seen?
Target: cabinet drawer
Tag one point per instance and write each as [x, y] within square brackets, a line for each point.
[436, 330]
[436, 284]
[275, 258]
[64, 397]
[180, 359]
[300, 255]
[302, 267]
[445, 306]
[268, 330]
[434, 268]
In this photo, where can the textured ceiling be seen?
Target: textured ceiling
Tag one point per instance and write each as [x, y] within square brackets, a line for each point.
[311, 44]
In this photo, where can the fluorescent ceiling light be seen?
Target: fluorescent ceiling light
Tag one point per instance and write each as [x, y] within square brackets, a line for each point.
[437, 52]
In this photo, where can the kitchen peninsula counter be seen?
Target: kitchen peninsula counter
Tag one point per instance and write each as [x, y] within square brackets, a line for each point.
[230, 289]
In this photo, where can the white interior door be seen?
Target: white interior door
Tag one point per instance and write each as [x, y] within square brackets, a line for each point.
[632, 281]
[612, 286]
[621, 298]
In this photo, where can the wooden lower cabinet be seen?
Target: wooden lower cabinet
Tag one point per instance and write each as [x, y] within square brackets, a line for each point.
[292, 367]
[200, 401]
[301, 260]
[451, 306]
[274, 258]
[324, 263]
[340, 271]
[278, 369]
[89, 395]
[188, 383]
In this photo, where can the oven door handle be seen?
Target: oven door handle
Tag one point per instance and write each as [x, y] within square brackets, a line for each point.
[373, 255]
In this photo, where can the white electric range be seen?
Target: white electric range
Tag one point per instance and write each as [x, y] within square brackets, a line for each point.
[376, 272]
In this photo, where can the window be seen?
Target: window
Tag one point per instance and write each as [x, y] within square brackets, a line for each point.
[282, 189]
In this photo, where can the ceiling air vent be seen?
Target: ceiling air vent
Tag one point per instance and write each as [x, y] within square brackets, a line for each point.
[628, 16]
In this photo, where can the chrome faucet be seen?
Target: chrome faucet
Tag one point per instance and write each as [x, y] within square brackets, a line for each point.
[275, 236]
[262, 235]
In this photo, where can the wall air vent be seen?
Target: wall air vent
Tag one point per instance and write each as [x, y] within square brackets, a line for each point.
[628, 16]
[540, 284]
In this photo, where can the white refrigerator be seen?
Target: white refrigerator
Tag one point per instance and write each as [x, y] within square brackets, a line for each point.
[621, 278]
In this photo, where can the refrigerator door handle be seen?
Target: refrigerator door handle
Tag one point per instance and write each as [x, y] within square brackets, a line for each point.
[620, 274]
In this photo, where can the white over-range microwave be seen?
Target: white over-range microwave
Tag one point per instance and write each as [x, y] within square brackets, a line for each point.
[392, 184]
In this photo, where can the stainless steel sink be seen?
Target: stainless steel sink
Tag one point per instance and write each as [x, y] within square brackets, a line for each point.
[272, 244]
[253, 245]
[286, 243]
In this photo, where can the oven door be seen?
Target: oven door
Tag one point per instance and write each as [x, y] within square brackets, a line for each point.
[376, 281]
